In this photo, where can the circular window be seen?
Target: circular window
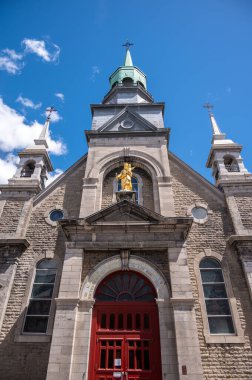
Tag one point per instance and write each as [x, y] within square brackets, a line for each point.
[56, 215]
[127, 124]
[199, 213]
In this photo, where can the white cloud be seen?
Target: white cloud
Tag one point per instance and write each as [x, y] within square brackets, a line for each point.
[52, 176]
[49, 52]
[8, 167]
[60, 96]
[15, 133]
[28, 103]
[11, 61]
[13, 54]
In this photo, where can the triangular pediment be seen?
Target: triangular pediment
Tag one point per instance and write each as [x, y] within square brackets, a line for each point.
[127, 121]
[124, 211]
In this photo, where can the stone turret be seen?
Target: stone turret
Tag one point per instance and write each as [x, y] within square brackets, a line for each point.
[33, 167]
[225, 159]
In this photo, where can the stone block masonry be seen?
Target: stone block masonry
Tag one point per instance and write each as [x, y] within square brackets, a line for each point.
[29, 360]
[10, 216]
[220, 361]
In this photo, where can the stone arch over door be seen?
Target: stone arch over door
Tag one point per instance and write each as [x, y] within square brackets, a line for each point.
[165, 310]
[137, 264]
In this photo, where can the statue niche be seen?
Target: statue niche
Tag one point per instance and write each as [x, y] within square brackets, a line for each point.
[126, 191]
[141, 184]
[126, 177]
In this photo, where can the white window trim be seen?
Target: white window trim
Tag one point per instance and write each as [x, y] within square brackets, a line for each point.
[21, 336]
[238, 336]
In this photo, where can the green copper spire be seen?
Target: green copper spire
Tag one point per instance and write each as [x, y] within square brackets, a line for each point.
[128, 75]
[128, 59]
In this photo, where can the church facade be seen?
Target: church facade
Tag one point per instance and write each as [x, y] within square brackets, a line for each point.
[152, 281]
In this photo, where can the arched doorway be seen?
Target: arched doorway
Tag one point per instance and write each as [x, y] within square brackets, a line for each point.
[125, 339]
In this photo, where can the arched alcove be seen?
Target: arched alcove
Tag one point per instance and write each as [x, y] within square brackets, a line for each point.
[127, 81]
[28, 169]
[142, 183]
[231, 164]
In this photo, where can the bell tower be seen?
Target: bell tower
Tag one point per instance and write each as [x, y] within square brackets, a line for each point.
[128, 126]
[224, 157]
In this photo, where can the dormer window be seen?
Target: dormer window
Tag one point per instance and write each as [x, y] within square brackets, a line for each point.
[231, 164]
[28, 170]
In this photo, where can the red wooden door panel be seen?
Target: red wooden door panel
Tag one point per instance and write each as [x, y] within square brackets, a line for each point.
[125, 341]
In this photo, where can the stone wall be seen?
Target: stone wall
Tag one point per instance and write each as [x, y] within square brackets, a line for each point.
[147, 189]
[10, 216]
[220, 361]
[244, 204]
[29, 360]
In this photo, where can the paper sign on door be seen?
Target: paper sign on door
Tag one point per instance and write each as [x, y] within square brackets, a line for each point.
[117, 362]
[117, 374]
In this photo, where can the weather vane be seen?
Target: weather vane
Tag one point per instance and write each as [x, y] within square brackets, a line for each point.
[128, 44]
[209, 107]
[49, 111]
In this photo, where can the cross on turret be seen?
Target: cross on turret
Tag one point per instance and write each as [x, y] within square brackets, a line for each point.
[128, 44]
[49, 111]
[209, 107]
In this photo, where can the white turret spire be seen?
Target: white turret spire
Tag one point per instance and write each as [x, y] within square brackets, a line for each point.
[43, 135]
[217, 134]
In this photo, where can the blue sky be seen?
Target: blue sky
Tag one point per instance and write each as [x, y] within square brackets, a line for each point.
[192, 51]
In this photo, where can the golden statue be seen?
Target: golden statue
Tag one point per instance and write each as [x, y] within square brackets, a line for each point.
[125, 177]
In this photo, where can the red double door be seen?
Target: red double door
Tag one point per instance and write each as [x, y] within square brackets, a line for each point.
[125, 341]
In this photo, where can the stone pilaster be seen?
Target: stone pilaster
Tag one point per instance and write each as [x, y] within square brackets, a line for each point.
[166, 196]
[24, 218]
[234, 213]
[188, 349]
[9, 257]
[60, 360]
[81, 353]
[169, 360]
[89, 192]
[244, 248]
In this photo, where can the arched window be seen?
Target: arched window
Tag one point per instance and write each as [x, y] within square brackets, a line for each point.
[38, 310]
[216, 300]
[140, 84]
[125, 286]
[231, 164]
[127, 82]
[28, 170]
[115, 84]
[135, 187]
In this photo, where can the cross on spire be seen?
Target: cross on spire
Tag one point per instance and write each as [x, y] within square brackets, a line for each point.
[128, 44]
[49, 111]
[209, 107]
